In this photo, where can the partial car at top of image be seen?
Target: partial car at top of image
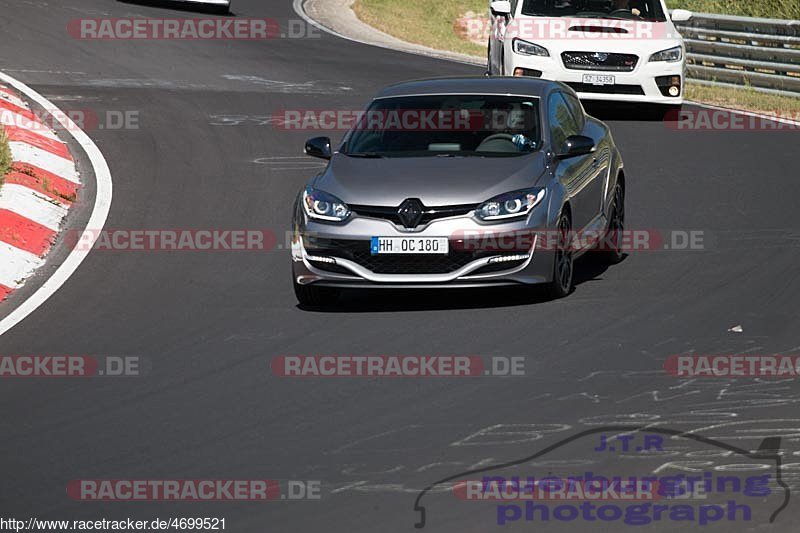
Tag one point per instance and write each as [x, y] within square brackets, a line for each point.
[400, 207]
[618, 50]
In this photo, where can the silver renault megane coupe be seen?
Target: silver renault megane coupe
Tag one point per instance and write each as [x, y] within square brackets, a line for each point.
[460, 182]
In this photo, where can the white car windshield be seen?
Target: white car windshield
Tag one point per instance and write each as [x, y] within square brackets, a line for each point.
[649, 10]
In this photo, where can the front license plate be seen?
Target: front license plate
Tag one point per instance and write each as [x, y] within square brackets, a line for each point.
[409, 245]
[598, 79]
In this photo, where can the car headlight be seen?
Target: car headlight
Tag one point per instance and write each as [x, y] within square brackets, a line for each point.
[324, 206]
[672, 54]
[510, 205]
[529, 49]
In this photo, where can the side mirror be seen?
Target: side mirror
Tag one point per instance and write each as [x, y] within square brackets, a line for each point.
[501, 7]
[681, 15]
[319, 147]
[576, 145]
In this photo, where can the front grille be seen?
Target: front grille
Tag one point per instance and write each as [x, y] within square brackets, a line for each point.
[599, 61]
[359, 252]
[429, 214]
[606, 89]
[413, 264]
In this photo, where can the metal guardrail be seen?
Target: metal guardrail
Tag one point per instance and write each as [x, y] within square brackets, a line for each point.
[760, 53]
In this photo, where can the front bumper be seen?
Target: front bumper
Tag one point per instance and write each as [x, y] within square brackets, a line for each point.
[639, 85]
[471, 262]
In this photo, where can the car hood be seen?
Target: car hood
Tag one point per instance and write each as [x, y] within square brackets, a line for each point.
[436, 181]
[598, 35]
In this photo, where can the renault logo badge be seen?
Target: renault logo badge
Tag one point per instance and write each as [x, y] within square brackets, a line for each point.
[410, 213]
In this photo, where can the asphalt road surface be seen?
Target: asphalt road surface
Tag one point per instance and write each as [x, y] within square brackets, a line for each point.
[207, 325]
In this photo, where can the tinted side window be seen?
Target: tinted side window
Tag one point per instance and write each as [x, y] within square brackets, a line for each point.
[562, 123]
[576, 108]
[514, 4]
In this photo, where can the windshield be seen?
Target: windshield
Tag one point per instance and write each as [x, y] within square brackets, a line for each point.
[649, 10]
[447, 126]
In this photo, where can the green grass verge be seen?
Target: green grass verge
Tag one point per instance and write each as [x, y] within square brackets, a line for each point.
[427, 22]
[5, 155]
[773, 9]
[746, 99]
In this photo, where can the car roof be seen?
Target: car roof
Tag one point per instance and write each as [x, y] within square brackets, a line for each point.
[474, 85]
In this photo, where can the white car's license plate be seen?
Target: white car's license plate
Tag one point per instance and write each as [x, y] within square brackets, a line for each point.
[409, 245]
[598, 79]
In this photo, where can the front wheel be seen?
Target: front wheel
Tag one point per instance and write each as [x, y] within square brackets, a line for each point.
[564, 261]
[616, 228]
[311, 296]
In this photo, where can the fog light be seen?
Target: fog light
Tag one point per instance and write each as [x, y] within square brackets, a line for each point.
[669, 85]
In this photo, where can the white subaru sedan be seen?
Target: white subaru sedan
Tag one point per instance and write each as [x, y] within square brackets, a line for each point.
[623, 50]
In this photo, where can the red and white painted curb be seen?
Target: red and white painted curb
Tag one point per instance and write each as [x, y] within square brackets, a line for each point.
[37, 193]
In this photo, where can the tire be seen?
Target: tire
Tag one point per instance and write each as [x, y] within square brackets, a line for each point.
[616, 226]
[311, 296]
[563, 261]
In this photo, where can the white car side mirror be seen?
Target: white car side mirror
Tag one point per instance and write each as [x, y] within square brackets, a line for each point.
[501, 7]
[681, 15]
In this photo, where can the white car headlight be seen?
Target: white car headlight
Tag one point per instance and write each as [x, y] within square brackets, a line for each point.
[672, 54]
[510, 205]
[324, 206]
[529, 49]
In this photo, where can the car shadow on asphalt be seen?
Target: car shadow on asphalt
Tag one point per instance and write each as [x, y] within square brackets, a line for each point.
[177, 5]
[621, 111]
[587, 268]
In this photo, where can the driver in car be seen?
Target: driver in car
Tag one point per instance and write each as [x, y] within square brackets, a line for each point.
[625, 5]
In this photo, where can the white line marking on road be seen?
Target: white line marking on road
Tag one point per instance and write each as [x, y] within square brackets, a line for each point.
[782, 120]
[97, 220]
[306, 87]
[36, 71]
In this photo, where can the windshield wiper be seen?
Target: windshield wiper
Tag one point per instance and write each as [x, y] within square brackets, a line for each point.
[365, 155]
[602, 17]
